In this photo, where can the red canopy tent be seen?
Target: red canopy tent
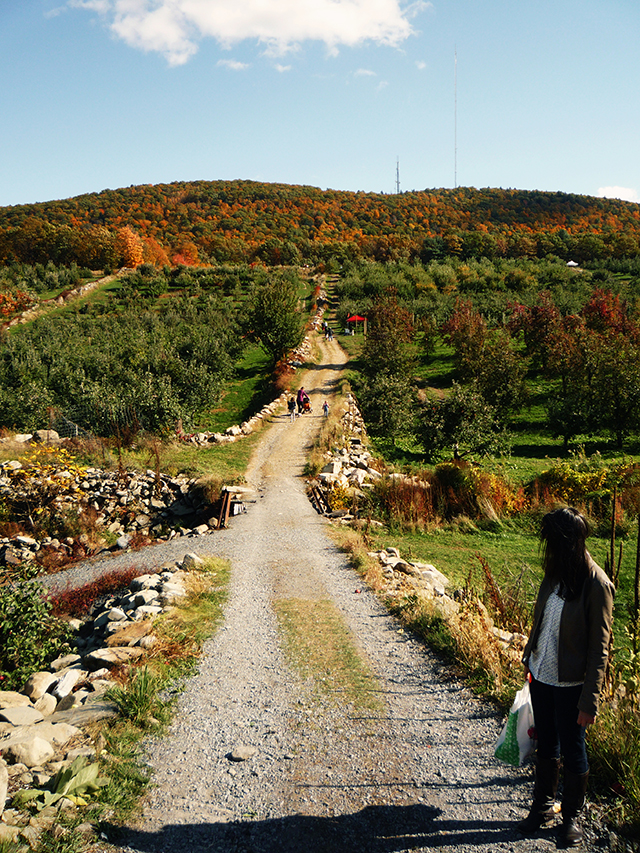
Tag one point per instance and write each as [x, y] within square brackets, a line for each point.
[356, 318]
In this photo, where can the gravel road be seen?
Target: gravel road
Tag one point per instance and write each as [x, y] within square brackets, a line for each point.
[417, 775]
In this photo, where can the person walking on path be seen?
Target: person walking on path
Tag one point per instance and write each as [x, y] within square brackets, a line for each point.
[565, 659]
[300, 399]
[291, 405]
[325, 409]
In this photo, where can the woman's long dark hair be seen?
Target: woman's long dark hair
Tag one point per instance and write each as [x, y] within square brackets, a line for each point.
[565, 558]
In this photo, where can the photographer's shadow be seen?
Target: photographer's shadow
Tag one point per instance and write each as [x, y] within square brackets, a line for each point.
[374, 829]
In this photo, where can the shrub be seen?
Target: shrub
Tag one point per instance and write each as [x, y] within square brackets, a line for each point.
[451, 490]
[78, 601]
[138, 701]
[30, 636]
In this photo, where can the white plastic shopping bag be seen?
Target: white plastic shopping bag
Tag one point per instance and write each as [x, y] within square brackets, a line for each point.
[517, 738]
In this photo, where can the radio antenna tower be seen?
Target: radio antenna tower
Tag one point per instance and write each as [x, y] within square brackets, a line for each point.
[455, 118]
[397, 176]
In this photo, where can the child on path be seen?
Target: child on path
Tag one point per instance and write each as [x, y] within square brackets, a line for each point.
[291, 405]
[325, 409]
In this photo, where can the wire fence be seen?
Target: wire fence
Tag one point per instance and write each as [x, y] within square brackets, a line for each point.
[66, 428]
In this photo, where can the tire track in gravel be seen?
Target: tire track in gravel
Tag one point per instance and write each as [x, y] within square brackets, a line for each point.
[419, 775]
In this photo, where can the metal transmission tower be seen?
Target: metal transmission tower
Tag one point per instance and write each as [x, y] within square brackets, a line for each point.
[455, 118]
[397, 176]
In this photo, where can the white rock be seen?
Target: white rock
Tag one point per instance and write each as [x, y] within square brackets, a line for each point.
[171, 588]
[145, 597]
[192, 561]
[4, 784]
[99, 673]
[21, 715]
[46, 436]
[432, 574]
[333, 467]
[242, 753]
[116, 614]
[12, 699]
[144, 582]
[113, 627]
[68, 681]
[146, 611]
[46, 704]
[64, 662]
[73, 700]
[358, 476]
[33, 751]
[112, 657]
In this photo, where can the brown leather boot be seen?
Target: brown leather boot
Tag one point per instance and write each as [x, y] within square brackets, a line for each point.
[544, 796]
[573, 797]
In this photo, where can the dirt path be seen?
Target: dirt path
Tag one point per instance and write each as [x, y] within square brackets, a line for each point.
[416, 773]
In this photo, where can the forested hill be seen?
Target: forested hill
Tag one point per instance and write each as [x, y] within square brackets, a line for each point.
[240, 221]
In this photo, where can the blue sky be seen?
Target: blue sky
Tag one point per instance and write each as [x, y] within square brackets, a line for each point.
[98, 94]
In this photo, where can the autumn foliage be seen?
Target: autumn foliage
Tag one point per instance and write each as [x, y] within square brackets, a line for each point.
[243, 221]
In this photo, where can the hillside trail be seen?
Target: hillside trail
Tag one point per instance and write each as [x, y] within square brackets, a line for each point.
[415, 773]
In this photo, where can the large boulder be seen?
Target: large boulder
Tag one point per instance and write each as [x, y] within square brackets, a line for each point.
[64, 662]
[32, 752]
[46, 436]
[192, 561]
[12, 699]
[110, 657]
[21, 715]
[129, 634]
[52, 730]
[37, 684]
[4, 784]
[68, 681]
[46, 704]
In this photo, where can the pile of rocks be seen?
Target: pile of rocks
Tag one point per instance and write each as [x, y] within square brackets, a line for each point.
[122, 504]
[233, 433]
[41, 727]
[424, 578]
[348, 467]
[402, 576]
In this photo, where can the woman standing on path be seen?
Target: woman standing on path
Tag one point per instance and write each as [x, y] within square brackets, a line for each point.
[566, 657]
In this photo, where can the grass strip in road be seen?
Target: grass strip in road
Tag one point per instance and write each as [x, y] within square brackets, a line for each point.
[321, 647]
[183, 630]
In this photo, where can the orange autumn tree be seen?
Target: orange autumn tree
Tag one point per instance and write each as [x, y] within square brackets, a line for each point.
[13, 303]
[129, 247]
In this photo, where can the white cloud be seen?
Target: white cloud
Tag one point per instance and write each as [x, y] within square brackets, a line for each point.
[624, 193]
[282, 68]
[175, 27]
[53, 13]
[420, 65]
[101, 6]
[364, 72]
[233, 64]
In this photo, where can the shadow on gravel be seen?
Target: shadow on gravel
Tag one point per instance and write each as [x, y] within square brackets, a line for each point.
[375, 829]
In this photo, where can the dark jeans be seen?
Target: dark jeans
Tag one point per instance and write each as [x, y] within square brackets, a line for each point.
[555, 711]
